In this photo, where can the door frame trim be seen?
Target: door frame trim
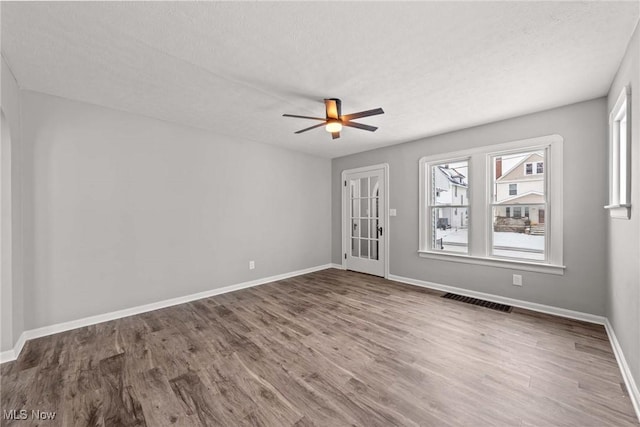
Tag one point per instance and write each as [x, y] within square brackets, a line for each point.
[345, 205]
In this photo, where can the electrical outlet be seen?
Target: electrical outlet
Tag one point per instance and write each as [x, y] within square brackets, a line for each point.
[252, 265]
[393, 212]
[517, 280]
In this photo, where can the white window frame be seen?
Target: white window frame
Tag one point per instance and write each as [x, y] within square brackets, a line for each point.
[480, 182]
[620, 158]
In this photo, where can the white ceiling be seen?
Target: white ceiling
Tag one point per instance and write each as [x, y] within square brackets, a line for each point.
[236, 67]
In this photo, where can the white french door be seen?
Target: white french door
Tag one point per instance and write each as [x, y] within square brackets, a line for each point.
[364, 220]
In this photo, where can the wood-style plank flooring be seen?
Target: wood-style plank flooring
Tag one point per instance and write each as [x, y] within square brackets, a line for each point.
[331, 348]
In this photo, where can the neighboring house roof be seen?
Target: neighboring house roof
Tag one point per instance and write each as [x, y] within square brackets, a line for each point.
[454, 176]
[531, 197]
[512, 173]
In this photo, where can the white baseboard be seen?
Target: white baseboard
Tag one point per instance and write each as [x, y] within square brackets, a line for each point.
[632, 386]
[541, 308]
[9, 355]
[338, 266]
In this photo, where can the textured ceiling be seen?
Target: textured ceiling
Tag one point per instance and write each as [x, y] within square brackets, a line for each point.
[236, 67]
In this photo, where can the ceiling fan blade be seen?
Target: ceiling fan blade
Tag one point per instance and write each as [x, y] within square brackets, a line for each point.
[303, 117]
[333, 108]
[361, 114]
[360, 126]
[335, 135]
[312, 127]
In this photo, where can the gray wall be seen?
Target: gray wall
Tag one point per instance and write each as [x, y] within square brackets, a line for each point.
[123, 210]
[623, 248]
[11, 290]
[582, 288]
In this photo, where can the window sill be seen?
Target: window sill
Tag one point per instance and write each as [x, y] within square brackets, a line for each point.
[619, 211]
[496, 262]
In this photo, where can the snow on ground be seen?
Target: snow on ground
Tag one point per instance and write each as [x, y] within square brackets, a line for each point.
[505, 243]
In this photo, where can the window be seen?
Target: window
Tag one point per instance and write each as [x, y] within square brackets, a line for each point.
[619, 158]
[517, 212]
[505, 218]
[448, 219]
[529, 168]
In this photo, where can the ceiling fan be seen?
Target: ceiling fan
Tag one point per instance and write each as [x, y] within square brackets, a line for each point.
[334, 120]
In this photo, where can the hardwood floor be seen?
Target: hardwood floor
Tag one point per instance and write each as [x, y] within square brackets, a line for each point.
[330, 348]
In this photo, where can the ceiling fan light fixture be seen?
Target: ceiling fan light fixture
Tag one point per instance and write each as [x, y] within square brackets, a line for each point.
[333, 126]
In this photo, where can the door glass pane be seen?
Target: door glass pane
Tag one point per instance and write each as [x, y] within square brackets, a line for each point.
[364, 228]
[373, 254]
[375, 211]
[374, 228]
[364, 248]
[364, 187]
[364, 208]
[374, 186]
[355, 187]
[355, 247]
[354, 228]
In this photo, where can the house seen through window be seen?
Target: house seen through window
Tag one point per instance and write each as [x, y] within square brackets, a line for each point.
[519, 205]
[449, 206]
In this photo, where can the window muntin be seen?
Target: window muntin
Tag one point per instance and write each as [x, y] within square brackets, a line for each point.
[448, 207]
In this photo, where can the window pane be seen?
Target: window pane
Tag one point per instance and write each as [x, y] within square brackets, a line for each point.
[355, 247]
[449, 183]
[511, 178]
[373, 254]
[450, 229]
[364, 248]
[364, 187]
[374, 186]
[519, 206]
[519, 236]
[364, 228]
[364, 208]
[622, 132]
